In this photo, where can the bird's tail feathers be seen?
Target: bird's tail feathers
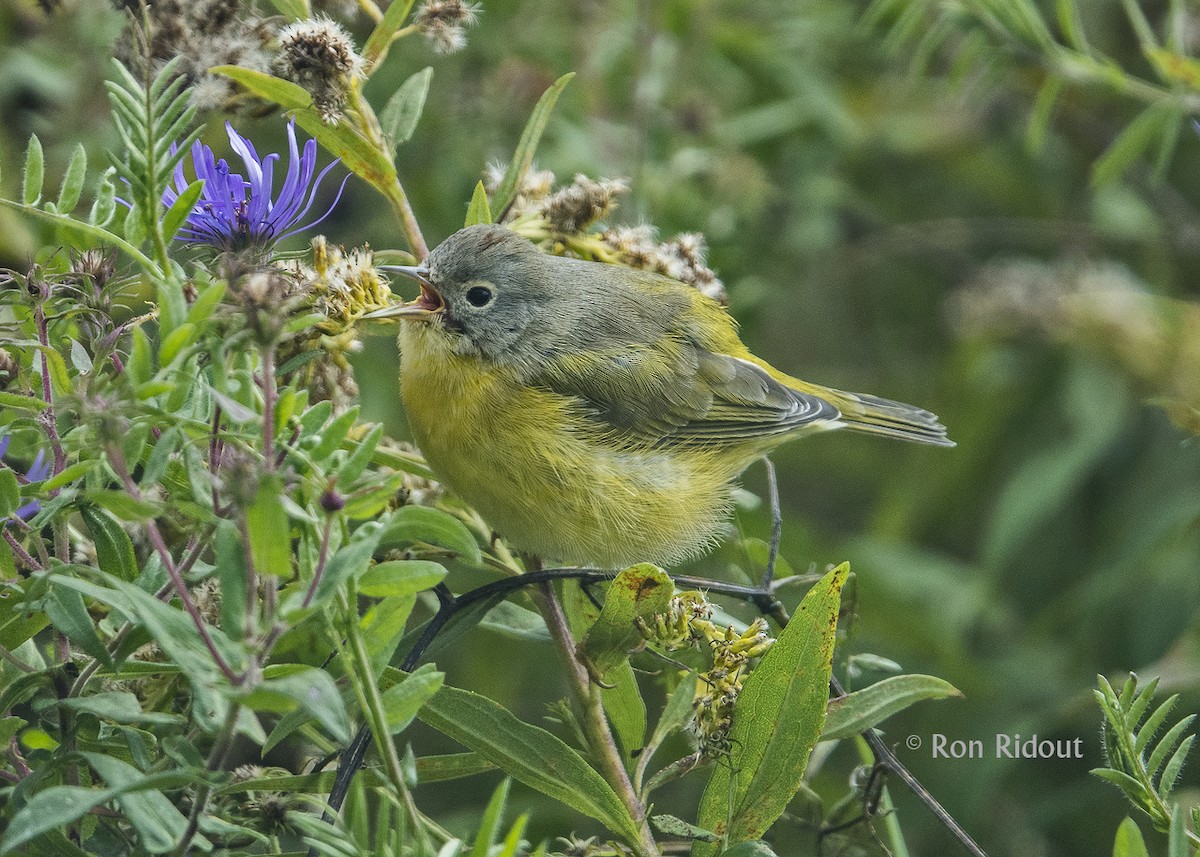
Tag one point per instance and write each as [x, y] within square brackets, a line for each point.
[874, 415]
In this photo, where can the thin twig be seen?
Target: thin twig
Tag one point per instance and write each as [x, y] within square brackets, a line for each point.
[47, 418]
[21, 553]
[117, 459]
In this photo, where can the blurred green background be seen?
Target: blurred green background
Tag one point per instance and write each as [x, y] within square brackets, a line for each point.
[884, 223]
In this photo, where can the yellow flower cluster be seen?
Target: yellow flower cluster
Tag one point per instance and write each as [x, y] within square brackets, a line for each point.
[688, 623]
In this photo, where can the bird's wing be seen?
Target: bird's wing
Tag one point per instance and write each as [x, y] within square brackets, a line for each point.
[675, 392]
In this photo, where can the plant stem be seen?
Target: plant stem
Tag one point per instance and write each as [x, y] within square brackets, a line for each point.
[591, 716]
[216, 760]
[396, 197]
[117, 459]
[370, 701]
[268, 383]
[48, 420]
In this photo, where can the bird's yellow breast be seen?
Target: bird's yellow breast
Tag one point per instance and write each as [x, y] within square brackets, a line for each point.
[545, 476]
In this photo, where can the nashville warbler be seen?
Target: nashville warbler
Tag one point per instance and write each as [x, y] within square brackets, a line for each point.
[596, 414]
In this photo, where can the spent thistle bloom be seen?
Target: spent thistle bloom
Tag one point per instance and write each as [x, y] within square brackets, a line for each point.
[443, 23]
[38, 471]
[318, 54]
[236, 213]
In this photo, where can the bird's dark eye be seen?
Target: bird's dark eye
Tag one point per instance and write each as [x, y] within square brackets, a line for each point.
[479, 296]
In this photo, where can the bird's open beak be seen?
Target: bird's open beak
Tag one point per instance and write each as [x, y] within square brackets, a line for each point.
[426, 307]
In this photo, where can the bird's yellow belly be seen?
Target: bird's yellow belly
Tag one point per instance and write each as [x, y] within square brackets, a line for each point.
[530, 463]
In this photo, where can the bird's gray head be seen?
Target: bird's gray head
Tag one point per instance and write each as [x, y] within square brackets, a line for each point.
[484, 285]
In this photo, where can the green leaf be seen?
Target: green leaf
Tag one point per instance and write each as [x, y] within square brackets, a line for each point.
[10, 493]
[522, 159]
[754, 848]
[332, 435]
[184, 204]
[777, 720]
[1043, 109]
[402, 701]
[403, 111]
[59, 806]
[56, 367]
[314, 690]
[674, 826]
[531, 755]
[105, 204]
[1131, 143]
[69, 474]
[139, 368]
[159, 824]
[489, 825]
[358, 460]
[434, 527]
[207, 301]
[1177, 841]
[625, 708]
[80, 359]
[231, 572]
[359, 154]
[125, 507]
[857, 712]
[114, 548]
[349, 562]
[1129, 841]
[1174, 766]
[268, 530]
[175, 341]
[637, 593]
[293, 10]
[118, 706]
[35, 166]
[68, 613]
[380, 39]
[400, 577]
[478, 211]
[24, 403]
[72, 183]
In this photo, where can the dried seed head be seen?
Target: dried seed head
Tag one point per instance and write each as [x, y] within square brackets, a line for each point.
[582, 203]
[205, 33]
[318, 54]
[443, 23]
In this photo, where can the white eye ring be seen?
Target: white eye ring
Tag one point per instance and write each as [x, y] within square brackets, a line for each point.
[479, 296]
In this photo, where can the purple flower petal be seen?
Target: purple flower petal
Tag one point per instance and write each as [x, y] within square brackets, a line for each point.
[235, 213]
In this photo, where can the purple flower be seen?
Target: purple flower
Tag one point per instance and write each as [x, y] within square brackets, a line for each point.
[236, 213]
[37, 472]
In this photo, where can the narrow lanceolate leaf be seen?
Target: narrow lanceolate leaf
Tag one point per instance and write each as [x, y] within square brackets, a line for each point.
[777, 720]
[72, 183]
[159, 824]
[267, 526]
[857, 712]
[489, 825]
[68, 613]
[114, 548]
[531, 755]
[522, 160]
[1129, 841]
[478, 211]
[1131, 143]
[58, 806]
[293, 10]
[403, 111]
[181, 208]
[381, 37]
[360, 155]
[314, 690]
[35, 166]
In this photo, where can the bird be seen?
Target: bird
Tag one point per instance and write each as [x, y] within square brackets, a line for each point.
[595, 414]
